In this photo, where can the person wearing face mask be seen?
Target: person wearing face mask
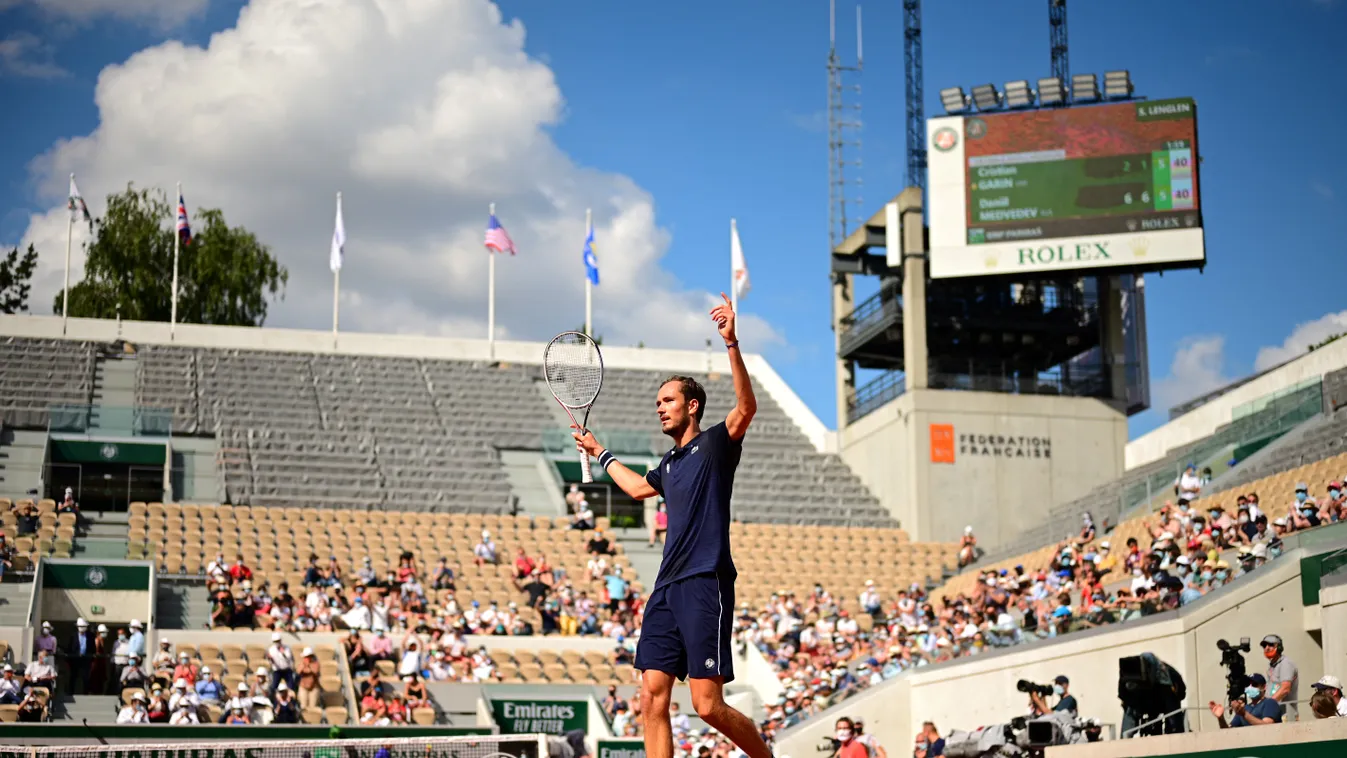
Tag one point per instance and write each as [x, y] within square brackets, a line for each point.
[1337, 501]
[1283, 676]
[1305, 514]
[1189, 485]
[1061, 687]
[847, 744]
[1250, 710]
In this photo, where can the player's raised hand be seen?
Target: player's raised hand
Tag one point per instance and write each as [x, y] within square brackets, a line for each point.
[723, 315]
[585, 442]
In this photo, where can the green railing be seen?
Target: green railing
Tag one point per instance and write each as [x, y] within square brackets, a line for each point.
[559, 441]
[112, 420]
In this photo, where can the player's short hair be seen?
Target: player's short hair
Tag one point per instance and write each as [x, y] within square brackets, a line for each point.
[692, 390]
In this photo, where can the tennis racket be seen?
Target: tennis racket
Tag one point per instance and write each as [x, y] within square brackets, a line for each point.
[573, 368]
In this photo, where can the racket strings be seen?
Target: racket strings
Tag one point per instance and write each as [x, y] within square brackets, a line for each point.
[573, 369]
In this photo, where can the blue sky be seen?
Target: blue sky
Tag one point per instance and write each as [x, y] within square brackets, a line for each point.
[716, 110]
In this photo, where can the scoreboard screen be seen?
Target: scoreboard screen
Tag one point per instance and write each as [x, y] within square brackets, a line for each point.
[1105, 186]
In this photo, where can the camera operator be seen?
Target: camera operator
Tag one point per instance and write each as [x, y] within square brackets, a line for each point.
[848, 744]
[1283, 675]
[1251, 709]
[1060, 687]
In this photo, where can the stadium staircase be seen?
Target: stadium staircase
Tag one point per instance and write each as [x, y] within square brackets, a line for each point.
[455, 704]
[181, 605]
[645, 560]
[96, 709]
[104, 536]
[21, 455]
[534, 480]
[114, 386]
[14, 598]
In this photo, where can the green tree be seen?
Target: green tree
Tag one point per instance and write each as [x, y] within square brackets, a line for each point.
[226, 275]
[598, 338]
[16, 279]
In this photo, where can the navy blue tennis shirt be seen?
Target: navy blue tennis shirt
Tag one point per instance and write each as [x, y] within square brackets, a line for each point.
[696, 481]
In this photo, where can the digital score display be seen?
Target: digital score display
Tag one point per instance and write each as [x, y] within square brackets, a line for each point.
[1083, 187]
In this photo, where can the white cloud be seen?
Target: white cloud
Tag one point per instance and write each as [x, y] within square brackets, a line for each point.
[24, 55]
[1198, 368]
[1300, 339]
[164, 14]
[421, 112]
[1322, 189]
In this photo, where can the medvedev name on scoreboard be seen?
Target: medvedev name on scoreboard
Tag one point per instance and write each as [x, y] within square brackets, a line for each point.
[1111, 186]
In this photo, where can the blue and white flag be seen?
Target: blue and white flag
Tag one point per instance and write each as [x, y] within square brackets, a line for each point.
[591, 260]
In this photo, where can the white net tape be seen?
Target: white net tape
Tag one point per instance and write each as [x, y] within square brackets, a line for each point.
[475, 746]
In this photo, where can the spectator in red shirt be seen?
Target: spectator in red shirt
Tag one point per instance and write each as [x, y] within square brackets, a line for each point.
[848, 744]
[523, 565]
[239, 571]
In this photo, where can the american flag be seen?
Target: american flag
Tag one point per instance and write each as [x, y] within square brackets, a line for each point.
[497, 238]
[184, 229]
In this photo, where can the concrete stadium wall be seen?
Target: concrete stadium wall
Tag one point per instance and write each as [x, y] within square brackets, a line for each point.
[410, 346]
[1314, 738]
[1203, 420]
[1333, 615]
[1081, 443]
[118, 606]
[980, 691]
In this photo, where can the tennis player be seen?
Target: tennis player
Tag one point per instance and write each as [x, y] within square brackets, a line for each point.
[688, 616]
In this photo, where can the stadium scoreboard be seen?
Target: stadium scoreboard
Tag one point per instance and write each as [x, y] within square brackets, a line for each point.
[1104, 186]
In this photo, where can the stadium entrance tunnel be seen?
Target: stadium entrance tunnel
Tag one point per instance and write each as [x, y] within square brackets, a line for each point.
[105, 474]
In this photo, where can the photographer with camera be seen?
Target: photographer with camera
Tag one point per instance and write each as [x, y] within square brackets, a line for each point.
[1251, 708]
[1060, 688]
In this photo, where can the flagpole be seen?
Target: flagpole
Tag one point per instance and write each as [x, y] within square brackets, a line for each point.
[69, 238]
[491, 298]
[177, 241]
[336, 282]
[589, 285]
[734, 290]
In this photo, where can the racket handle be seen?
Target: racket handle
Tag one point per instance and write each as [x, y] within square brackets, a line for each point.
[586, 475]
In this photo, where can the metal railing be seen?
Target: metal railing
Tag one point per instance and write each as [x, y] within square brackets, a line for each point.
[876, 393]
[558, 441]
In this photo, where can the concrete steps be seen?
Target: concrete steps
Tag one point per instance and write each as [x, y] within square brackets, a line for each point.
[96, 709]
[21, 456]
[645, 560]
[181, 606]
[534, 481]
[14, 598]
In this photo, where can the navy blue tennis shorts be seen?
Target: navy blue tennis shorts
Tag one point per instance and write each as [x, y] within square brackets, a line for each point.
[686, 629]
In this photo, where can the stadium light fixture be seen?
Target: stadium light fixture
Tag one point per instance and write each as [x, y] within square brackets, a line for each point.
[1018, 94]
[986, 98]
[954, 99]
[1084, 88]
[1117, 85]
[1051, 91]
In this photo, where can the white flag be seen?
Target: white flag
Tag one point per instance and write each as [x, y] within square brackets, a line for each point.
[738, 268]
[338, 240]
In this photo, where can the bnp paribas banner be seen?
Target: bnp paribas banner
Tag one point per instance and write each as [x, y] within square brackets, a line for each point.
[620, 748]
[520, 716]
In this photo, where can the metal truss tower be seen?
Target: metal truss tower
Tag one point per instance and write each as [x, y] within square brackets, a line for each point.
[916, 121]
[1057, 40]
[844, 125]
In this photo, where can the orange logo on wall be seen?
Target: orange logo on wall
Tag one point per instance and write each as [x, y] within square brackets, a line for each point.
[942, 443]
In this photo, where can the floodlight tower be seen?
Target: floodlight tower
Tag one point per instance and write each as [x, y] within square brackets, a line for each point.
[844, 124]
[916, 120]
[1057, 39]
